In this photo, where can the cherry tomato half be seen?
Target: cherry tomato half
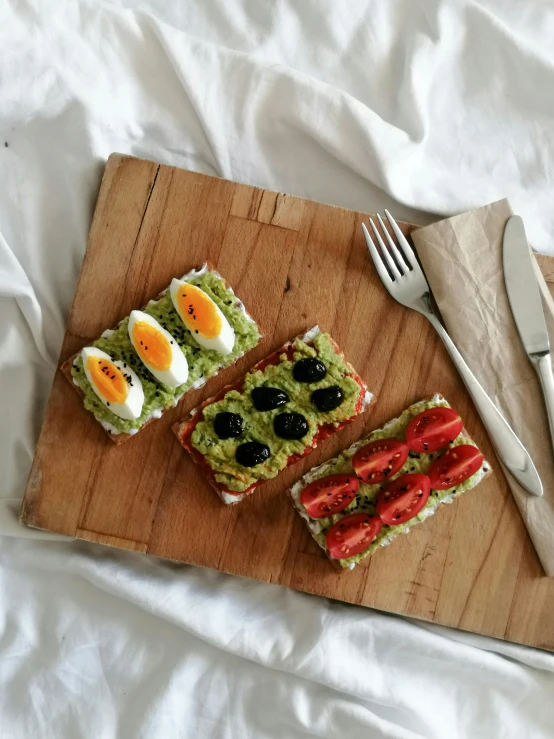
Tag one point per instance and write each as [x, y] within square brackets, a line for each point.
[380, 459]
[329, 495]
[403, 498]
[352, 534]
[433, 429]
[454, 466]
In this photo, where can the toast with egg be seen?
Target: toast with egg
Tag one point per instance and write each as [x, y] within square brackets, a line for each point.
[143, 366]
[275, 415]
[345, 501]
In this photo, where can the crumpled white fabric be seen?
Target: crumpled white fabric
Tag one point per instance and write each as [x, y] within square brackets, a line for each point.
[432, 107]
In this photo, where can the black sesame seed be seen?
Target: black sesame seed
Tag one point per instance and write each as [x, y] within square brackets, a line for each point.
[77, 369]
[195, 330]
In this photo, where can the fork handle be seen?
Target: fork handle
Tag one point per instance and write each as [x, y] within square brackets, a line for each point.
[508, 447]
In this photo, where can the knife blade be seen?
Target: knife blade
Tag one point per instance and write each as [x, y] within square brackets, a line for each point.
[526, 304]
[523, 290]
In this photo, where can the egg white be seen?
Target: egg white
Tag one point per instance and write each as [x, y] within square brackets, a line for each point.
[131, 408]
[224, 342]
[178, 371]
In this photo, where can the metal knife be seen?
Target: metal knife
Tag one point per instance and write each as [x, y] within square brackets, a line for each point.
[526, 304]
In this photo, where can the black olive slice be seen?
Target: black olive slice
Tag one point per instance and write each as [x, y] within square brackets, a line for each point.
[228, 425]
[309, 369]
[252, 453]
[290, 425]
[268, 398]
[327, 398]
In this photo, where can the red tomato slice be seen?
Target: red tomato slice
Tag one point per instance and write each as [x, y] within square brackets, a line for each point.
[433, 429]
[380, 459]
[403, 498]
[454, 466]
[352, 535]
[329, 495]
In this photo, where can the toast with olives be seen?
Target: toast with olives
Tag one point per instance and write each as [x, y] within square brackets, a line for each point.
[275, 415]
[126, 362]
[387, 482]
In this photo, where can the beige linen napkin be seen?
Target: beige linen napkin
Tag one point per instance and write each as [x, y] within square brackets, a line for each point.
[462, 258]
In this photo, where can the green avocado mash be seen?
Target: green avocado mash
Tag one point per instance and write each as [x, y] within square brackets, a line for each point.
[258, 425]
[367, 494]
[202, 362]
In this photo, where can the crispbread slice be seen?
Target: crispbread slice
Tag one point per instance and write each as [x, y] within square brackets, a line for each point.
[340, 464]
[118, 437]
[184, 430]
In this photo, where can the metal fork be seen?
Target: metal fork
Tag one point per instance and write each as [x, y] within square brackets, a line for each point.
[407, 284]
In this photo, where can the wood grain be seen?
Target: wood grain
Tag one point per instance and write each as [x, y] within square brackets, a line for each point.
[294, 263]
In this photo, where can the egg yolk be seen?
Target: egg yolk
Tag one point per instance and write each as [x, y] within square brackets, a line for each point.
[152, 346]
[199, 312]
[109, 379]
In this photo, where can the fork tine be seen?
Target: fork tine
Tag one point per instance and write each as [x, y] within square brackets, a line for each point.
[410, 257]
[377, 261]
[386, 253]
[400, 261]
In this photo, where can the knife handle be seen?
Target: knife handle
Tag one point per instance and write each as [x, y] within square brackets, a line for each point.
[543, 365]
[511, 452]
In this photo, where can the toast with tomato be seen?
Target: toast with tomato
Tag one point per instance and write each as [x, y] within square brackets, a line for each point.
[389, 481]
[275, 415]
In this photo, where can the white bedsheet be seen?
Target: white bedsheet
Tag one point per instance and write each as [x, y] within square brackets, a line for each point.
[434, 106]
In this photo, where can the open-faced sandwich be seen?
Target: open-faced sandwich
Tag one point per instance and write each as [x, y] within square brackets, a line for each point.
[389, 481]
[142, 367]
[276, 414]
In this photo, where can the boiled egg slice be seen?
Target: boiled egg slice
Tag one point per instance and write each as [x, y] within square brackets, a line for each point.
[157, 349]
[114, 382]
[203, 318]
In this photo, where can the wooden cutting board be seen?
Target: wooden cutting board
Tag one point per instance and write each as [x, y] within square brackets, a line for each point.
[294, 263]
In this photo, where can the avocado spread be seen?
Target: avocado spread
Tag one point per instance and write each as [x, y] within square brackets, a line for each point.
[203, 363]
[258, 425]
[365, 502]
